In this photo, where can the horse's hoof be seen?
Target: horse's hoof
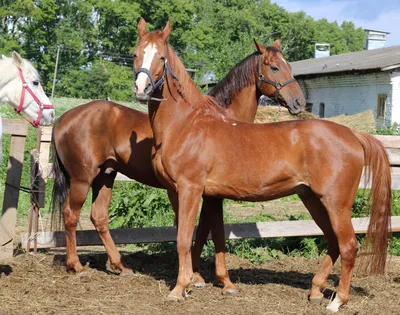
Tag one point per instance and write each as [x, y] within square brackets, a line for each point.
[316, 301]
[199, 284]
[83, 274]
[230, 291]
[334, 305]
[127, 273]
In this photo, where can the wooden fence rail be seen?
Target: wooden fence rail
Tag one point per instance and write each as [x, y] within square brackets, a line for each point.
[168, 234]
[41, 168]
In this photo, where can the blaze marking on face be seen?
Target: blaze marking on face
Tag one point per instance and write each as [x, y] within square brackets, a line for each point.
[149, 53]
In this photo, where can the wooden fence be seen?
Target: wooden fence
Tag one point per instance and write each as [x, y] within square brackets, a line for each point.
[41, 170]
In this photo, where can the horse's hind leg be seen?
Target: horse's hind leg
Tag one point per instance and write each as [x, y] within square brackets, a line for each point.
[321, 218]
[216, 219]
[76, 197]
[211, 218]
[338, 207]
[102, 192]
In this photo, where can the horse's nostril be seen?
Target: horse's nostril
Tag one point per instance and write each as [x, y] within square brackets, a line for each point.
[148, 88]
[297, 103]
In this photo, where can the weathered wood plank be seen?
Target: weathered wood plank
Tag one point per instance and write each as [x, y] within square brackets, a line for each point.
[394, 156]
[46, 133]
[389, 141]
[168, 234]
[16, 127]
[11, 193]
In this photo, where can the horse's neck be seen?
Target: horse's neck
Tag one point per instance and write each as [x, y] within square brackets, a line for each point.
[238, 92]
[181, 98]
[8, 73]
[244, 105]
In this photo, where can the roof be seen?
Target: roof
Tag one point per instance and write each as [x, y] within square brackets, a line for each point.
[382, 59]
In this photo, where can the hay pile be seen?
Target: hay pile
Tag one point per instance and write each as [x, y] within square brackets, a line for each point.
[363, 121]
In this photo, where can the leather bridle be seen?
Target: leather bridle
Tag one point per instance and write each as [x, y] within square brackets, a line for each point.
[278, 86]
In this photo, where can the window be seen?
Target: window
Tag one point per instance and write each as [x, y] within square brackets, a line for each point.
[381, 109]
[309, 107]
[321, 110]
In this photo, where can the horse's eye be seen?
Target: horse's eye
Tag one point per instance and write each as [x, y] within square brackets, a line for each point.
[36, 83]
[134, 56]
[274, 69]
[162, 58]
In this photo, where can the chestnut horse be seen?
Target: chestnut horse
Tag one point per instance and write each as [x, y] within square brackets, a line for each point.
[199, 151]
[94, 141]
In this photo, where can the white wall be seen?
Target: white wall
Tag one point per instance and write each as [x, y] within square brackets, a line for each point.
[351, 94]
[395, 97]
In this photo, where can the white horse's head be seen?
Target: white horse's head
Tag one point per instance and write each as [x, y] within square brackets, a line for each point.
[20, 87]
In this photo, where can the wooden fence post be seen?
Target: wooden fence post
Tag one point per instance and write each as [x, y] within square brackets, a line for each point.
[40, 170]
[18, 130]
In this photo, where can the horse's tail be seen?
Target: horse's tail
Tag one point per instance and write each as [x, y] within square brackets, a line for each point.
[379, 229]
[60, 187]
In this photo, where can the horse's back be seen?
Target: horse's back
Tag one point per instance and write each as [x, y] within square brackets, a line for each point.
[103, 133]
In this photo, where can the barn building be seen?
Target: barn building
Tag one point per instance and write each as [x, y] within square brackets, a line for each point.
[353, 82]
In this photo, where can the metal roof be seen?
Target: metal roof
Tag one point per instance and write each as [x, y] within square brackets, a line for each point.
[383, 59]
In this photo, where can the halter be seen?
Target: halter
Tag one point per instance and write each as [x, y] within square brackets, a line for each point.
[160, 82]
[42, 106]
[278, 86]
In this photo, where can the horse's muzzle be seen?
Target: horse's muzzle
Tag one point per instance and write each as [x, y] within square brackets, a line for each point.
[297, 106]
[142, 97]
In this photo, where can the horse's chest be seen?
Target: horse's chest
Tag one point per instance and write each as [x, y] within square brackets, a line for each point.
[161, 170]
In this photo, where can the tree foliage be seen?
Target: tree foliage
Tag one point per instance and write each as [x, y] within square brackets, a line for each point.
[96, 37]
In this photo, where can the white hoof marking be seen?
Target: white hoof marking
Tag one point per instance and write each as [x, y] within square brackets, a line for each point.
[334, 305]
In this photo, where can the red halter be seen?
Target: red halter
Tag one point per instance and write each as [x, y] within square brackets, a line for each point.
[42, 106]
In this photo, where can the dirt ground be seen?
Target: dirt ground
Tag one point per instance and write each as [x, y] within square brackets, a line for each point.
[40, 285]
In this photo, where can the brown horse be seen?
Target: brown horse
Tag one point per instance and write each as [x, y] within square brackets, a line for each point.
[198, 151]
[94, 141]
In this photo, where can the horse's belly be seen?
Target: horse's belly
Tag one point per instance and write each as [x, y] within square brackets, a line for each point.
[244, 189]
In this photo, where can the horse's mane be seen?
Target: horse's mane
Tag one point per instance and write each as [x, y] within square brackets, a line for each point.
[9, 71]
[185, 85]
[238, 78]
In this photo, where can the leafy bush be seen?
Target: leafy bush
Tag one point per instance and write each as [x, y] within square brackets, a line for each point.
[138, 205]
[391, 130]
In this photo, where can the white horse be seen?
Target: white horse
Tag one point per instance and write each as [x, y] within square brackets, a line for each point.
[21, 88]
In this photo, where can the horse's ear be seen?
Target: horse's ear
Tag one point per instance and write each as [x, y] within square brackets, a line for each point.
[167, 30]
[277, 44]
[142, 27]
[260, 47]
[17, 59]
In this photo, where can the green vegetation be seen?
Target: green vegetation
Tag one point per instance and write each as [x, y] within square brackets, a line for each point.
[391, 130]
[96, 37]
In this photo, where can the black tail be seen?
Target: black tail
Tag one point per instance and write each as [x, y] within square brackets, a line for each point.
[60, 187]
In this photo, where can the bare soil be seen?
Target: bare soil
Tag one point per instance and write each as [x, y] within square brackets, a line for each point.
[40, 285]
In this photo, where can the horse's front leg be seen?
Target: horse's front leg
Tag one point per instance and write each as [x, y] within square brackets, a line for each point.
[188, 200]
